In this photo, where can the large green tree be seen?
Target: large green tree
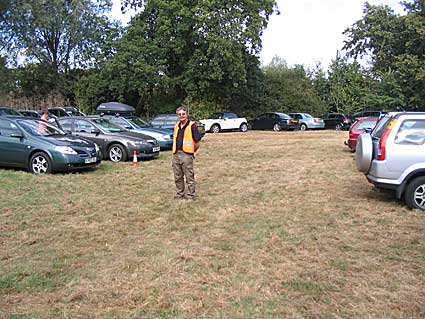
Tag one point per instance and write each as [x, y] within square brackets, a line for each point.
[203, 52]
[52, 37]
[395, 46]
[289, 89]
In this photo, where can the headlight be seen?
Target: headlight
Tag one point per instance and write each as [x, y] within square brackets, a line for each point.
[140, 142]
[65, 150]
[166, 137]
[96, 147]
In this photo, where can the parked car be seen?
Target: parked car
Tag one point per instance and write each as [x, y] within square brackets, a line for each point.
[65, 111]
[362, 124]
[5, 110]
[275, 121]
[307, 121]
[167, 121]
[337, 121]
[225, 121]
[115, 143]
[368, 113]
[42, 148]
[136, 124]
[393, 156]
[30, 113]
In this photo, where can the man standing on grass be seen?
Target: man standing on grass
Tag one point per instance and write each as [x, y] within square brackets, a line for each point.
[185, 144]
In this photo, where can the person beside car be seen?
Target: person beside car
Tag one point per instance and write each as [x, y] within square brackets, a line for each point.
[42, 129]
[186, 142]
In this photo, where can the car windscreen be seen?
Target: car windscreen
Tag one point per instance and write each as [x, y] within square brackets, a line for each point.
[381, 126]
[139, 122]
[40, 128]
[108, 125]
[366, 124]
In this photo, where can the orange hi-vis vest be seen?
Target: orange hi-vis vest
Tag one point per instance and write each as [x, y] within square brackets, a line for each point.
[189, 144]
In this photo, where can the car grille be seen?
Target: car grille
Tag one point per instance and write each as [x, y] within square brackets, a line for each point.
[153, 142]
[91, 152]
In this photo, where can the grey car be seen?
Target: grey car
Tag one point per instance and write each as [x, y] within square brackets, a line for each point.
[115, 143]
[392, 156]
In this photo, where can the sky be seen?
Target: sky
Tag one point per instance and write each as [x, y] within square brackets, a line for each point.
[306, 31]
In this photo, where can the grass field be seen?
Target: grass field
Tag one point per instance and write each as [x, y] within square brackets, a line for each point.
[284, 227]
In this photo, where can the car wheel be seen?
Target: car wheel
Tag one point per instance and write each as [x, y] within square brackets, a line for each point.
[364, 150]
[414, 195]
[40, 163]
[243, 127]
[338, 127]
[215, 128]
[303, 127]
[117, 153]
[276, 127]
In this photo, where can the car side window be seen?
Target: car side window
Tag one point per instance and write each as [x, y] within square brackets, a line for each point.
[83, 126]
[411, 132]
[296, 116]
[158, 120]
[171, 120]
[66, 125]
[230, 115]
[7, 128]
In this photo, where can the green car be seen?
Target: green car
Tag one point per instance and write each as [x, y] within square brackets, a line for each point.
[43, 148]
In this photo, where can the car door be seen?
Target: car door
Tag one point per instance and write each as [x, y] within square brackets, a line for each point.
[88, 130]
[258, 122]
[13, 145]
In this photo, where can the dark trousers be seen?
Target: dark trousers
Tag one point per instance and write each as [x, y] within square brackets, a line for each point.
[183, 167]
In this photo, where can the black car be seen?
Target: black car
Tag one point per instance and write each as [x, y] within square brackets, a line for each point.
[337, 121]
[167, 121]
[368, 113]
[30, 113]
[116, 143]
[42, 148]
[5, 110]
[65, 111]
[275, 121]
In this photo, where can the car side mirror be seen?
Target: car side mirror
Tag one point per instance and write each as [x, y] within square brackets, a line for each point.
[368, 130]
[95, 131]
[17, 135]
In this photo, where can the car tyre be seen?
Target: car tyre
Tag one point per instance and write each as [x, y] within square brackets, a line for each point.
[364, 152]
[117, 153]
[414, 196]
[303, 127]
[215, 128]
[243, 127]
[338, 127]
[276, 127]
[40, 163]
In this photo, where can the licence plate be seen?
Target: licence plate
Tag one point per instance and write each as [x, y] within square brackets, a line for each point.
[90, 160]
[156, 149]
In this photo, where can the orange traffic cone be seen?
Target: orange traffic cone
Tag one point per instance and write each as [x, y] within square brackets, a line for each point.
[135, 162]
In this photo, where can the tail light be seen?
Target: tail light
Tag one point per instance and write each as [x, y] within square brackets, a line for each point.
[383, 140]
[345, 120]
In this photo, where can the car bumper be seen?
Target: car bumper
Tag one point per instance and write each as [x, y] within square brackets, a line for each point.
[65, 162]
[314, 126]
[145, 151]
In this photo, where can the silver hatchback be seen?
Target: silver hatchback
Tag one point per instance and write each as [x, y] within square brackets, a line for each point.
[392, 156]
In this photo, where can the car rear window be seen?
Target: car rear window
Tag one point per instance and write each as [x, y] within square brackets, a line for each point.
[411, 132]
[366, 124]
[381, 126]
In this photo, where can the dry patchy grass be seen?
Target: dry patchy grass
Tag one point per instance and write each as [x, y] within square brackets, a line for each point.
[284, 227]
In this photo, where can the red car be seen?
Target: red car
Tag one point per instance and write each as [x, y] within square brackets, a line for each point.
[358, 128]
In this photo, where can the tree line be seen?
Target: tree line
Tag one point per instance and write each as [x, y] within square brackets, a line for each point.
[204, 54]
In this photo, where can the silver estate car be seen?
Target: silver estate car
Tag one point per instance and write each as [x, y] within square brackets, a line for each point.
[392, 156]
